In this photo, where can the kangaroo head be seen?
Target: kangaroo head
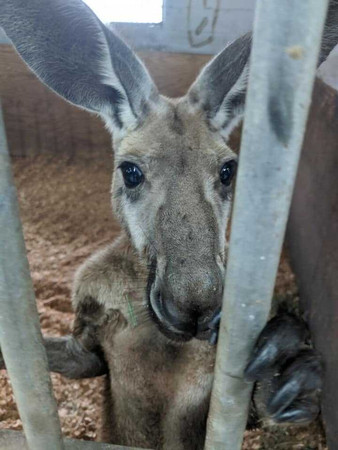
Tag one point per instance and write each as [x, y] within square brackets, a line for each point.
[172, 190]
[174, 173]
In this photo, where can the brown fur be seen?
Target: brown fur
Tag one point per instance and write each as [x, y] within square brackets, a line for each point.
[158, 390]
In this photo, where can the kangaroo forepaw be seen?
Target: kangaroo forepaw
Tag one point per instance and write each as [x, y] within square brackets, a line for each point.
[288, 371]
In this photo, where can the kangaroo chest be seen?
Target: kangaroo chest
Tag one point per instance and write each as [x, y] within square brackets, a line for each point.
[158, 389]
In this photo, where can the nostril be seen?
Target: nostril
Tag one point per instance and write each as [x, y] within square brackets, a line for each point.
[214, 322]
[174, 319]
[203, 323]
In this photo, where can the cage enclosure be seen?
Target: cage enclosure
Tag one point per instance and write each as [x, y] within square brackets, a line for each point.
[62, 163]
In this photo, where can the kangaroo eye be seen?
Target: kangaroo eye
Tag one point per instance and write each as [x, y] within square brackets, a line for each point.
[132, 174]
[228, 171]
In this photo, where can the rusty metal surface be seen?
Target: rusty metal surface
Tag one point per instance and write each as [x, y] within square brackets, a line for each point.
[313, 241]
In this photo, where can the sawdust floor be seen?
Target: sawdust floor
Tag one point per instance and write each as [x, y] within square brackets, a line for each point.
[66, 215]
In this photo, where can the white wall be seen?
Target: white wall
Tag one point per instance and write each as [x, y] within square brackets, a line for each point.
[193, 26]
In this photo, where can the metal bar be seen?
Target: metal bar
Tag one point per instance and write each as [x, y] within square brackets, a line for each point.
[285, 48]
[20, 335]
[14, 440]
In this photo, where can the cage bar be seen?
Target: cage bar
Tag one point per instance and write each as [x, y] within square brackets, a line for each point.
[20, 335]
[14, 440]
[285, 49]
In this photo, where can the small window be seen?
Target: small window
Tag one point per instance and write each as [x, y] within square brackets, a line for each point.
[136, 11]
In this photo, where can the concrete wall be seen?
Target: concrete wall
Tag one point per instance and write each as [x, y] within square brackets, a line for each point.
[193, 26]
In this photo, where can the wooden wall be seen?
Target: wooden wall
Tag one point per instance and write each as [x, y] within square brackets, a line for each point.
[313, 241]
[38, 121]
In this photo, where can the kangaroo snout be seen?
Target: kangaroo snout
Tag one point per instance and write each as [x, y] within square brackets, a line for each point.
[185, 305]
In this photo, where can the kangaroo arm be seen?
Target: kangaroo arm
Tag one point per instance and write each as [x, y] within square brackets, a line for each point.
[67, 356]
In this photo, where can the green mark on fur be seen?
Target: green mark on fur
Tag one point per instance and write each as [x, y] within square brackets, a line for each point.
[131, 313]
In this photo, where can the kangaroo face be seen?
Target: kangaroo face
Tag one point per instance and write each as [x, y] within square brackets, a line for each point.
[172, 190]
[173, 175]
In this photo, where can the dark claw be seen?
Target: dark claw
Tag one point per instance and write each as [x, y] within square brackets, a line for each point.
[284, 396]
[299, 412]
[213, 338]
[289, 373]
[302, 377]
[214, 327]
[261, 360]
[279, 341]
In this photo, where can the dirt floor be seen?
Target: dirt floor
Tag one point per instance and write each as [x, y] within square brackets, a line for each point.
[66, 215]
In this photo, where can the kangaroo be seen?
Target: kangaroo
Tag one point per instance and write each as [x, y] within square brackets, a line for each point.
[147, 306]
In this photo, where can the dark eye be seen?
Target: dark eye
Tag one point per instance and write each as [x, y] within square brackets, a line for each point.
[132, 174]
[228, 171]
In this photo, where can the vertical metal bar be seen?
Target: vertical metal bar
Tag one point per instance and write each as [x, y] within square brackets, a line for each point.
[20, 335]
[285, 49]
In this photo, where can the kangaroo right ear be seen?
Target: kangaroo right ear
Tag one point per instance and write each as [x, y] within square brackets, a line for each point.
[81, 59]
[220, 89]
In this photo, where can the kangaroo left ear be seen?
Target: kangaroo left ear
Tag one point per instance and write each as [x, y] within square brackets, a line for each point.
[81, 59]
[220, 88]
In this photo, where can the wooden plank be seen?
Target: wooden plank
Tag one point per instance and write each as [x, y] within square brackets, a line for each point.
[173, 73]
[313, 241]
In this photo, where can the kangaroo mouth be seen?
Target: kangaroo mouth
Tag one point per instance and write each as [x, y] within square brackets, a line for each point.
[169, 325]
[166, 323]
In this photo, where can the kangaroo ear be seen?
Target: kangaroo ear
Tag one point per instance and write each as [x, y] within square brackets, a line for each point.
[81, 59]
[221, 86]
